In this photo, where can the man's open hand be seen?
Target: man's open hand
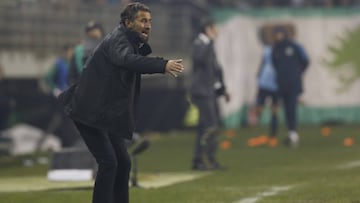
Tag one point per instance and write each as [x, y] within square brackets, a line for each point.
[174, 67]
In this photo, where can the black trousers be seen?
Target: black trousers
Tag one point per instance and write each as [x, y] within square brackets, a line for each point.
[206, 138]
[114, 163]
[290, 101]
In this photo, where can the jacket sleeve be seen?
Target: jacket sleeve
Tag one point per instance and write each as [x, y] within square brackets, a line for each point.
[303, 57]
[220, 86]
[122, 54]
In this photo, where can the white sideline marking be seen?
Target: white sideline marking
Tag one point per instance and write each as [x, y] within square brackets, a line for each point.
[349, 165]
[38, 183]
[271, 192]
[168, 179]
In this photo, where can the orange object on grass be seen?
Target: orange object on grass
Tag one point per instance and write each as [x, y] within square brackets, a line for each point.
[258, 141]
[252, 142]
[262, 139]
[230, 134]
[325, 131]
[348, 142]
[225, 144]
[272, 142]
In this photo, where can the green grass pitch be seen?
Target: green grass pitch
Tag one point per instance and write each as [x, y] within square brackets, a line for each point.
[320, 170]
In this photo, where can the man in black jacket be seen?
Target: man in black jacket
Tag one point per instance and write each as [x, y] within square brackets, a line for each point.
[290, 61]
[207, 84]
[103, 101]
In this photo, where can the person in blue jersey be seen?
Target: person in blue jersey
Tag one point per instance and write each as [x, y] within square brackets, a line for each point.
[290, 62]
[268, 89]
[57, 77]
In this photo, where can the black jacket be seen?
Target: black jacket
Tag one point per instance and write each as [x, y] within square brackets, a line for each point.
[207, 77]
[290, 61]
[106, 93]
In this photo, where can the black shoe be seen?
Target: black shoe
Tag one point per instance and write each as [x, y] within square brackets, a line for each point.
[217, 166]
[199, 167]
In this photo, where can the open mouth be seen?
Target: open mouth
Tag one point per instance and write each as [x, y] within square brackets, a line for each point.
[145, 34]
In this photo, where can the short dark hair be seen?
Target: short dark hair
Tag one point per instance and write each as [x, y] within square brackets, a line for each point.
[205, 23]
[130, 11]
[281, 29]
[91, 25]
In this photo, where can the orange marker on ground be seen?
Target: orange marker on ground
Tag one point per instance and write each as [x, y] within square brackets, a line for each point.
[325, 131]
[349, 142]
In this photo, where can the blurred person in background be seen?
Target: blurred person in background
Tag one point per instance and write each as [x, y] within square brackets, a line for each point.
[94, 33]
[268, 89]
[207, 83]
[57, 77]
[57, 81]
[103, 101]
[290, 61]
[5, 105]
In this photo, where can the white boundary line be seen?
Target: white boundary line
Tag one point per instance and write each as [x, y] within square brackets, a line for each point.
[349, 165]
[168, 179]
[270, 192]
[38, 183]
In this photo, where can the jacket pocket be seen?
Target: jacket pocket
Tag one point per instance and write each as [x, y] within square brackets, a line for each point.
[66, 97]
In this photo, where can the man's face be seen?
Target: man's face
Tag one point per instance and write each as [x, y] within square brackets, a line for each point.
[69, 53]
[212, 32]
[141, 24]
[95, 33]
[279, 36]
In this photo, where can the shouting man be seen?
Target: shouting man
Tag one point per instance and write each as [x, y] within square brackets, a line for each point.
[102, 102]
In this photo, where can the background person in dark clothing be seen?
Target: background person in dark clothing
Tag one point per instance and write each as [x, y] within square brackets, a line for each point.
[103, 101]
[207, 84]
[290, 62]
[5, 105]
[94, 33]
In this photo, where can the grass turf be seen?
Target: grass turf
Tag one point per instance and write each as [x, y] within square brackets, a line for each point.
[313, 171]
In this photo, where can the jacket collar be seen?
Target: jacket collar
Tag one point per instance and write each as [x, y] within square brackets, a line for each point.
[134, 38]
[204, 38]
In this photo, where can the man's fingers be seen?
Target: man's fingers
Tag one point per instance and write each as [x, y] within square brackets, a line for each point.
[174, 67]
[178, 67]
[173, 74]
[178, 60]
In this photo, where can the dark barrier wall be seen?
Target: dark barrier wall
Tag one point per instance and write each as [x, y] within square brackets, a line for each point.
[25, 103]
[162, 106]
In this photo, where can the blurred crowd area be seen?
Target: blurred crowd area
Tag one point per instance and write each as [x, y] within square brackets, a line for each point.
[43, 26]
[204, 3]
[284, 3]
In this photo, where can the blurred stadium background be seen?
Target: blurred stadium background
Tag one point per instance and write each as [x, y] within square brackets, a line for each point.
[32, 33]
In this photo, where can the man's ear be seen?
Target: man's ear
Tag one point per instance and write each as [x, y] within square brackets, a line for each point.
[128, 24]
